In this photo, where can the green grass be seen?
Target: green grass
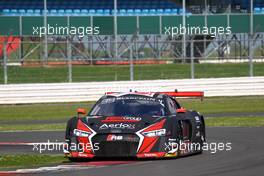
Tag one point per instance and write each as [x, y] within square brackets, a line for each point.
[34, 127]
[54, 111]
[235, 121]
[225, 104]
[212, 122]
[121, 72]
[63, 111]
[11, 162]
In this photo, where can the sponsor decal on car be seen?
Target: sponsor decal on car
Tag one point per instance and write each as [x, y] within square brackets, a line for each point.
[117, 126]
[83, 155]
[151, 155]
[81, 133]
[171, 154]
[129, 138]
[136, 98]
[198, 134]
[132, 118]
[121, 119]
[112, 137]
[197, 118]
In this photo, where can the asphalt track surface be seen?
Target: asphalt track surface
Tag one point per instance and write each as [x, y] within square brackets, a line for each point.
[246, 157]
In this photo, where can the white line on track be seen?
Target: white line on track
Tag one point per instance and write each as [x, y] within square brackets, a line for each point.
[50, 169]
[19, 131]
[76, 166]
[31, 143]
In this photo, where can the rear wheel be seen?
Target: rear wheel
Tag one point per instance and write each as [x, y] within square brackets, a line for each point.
[202, 135]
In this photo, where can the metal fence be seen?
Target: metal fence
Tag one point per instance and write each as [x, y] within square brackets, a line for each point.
[92, 58]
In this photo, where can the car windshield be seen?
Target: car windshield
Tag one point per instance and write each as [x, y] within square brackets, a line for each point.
[129, 106]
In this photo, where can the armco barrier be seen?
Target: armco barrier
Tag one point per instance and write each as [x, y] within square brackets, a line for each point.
[91, 91]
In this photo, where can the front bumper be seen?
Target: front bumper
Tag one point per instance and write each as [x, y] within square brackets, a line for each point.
[117, 149]
[127, 147]
[141, 155]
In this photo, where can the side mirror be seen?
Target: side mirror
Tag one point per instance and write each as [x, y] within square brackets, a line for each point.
[81, 111]
[181, 110]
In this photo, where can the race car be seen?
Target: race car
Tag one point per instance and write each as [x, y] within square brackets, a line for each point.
[136, 124]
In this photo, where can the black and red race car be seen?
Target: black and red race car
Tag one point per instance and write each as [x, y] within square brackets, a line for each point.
[136, 124]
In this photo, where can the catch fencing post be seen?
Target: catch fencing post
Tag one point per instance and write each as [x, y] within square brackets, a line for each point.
[5, 62]
[184, 34]
[251, 42]
[69, 59]
[115, 30]
[192, 60]
[46, 36]
[131, 63]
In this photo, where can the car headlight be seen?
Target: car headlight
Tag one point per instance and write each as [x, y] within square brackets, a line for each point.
[81, 133]
[155, 133]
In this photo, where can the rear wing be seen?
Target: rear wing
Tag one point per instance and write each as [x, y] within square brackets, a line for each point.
[184, 94]
[171, 94]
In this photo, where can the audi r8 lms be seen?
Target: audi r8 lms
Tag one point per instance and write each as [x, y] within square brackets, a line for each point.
[136, 124]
